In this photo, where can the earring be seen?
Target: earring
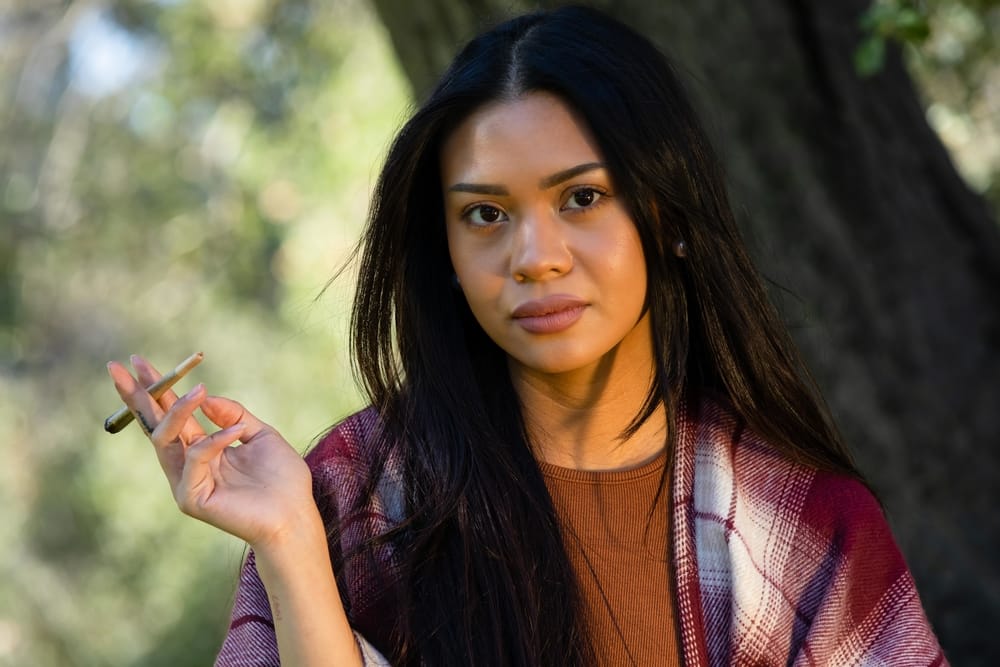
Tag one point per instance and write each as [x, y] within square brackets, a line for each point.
[680, 248]
[455, 283]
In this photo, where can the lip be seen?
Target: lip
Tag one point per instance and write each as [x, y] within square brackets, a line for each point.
[551, 314]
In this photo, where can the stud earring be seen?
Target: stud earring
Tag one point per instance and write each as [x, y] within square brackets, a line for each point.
[680, 248]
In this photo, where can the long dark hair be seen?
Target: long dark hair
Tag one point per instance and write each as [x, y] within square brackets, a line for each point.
[484, 578]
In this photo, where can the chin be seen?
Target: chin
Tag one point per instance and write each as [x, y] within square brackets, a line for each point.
[556, 362]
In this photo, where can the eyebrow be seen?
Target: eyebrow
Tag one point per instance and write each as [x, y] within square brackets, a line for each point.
[544, 184]
[479, 189]
[566, 174]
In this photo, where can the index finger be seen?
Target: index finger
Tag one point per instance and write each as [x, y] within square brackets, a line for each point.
[148, 375]
[121, 419]
[137, 401]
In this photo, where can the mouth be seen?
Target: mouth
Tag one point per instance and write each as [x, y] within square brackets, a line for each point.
[551, 314]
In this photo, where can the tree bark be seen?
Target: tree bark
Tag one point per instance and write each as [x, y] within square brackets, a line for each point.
[848, 198]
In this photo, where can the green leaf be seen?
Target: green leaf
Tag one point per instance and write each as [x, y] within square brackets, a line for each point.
[877, 17]
[911, 26]
[870, 56]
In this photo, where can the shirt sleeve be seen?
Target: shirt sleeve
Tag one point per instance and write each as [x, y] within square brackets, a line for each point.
[251, 641]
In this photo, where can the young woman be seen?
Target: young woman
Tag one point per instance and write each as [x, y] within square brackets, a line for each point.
[590, 439]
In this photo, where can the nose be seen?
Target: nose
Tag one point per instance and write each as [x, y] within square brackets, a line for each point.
[540, 249]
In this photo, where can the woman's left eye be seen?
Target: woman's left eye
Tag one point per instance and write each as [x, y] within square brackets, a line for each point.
[583, 198]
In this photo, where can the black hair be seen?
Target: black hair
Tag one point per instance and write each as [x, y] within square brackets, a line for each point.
[484, 578]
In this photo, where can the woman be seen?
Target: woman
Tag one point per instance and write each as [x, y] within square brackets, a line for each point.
[590, 439]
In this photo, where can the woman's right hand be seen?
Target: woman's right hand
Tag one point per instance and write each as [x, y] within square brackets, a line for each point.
[258, 491]
[261, 492]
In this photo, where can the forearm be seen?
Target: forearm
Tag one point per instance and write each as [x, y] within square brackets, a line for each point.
[309, 620]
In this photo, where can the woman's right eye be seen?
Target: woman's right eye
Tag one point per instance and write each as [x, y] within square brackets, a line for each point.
[484, 215]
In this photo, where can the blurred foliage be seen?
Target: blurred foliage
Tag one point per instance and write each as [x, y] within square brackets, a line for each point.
[174, 176]
[179, 176]
[952, 48]
[883, 21]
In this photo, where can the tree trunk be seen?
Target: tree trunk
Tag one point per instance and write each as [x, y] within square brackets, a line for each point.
[847, 197]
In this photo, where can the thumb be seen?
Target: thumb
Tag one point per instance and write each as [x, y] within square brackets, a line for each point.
[209, 447]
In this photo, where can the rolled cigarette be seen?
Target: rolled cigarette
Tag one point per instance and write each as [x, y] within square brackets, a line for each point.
[121, 419]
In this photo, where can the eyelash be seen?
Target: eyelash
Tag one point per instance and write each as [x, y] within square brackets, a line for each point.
[601, 196]
[471, 210]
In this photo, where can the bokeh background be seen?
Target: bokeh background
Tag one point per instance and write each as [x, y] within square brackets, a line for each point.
[178, 175]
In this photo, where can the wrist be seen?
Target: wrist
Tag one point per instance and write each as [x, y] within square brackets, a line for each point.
[311, 626]
[302, 534]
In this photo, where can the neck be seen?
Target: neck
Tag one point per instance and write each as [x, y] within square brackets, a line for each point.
[578, 419]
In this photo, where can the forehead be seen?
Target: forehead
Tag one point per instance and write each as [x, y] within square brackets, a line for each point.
[533, 133]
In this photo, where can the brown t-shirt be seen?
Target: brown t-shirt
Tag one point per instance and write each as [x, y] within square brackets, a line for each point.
[620, 552]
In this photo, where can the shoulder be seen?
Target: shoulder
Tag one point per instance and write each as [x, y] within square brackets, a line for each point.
[800, 559]
[350, 439]
[355, 469]
[729, 453]
[842, 507]
[350, 452]
[785, 514]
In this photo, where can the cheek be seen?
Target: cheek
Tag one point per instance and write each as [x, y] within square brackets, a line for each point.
[476, 264]
[483, 296]
[468, 254]
[635, 270]
[623, 261]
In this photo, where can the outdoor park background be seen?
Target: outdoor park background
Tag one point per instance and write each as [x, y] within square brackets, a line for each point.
[179, 176]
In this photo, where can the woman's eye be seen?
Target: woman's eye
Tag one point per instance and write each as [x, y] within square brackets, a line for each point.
[484, 215]
[583, 198]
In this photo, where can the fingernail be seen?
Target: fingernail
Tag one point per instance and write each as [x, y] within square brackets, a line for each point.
[194, 390]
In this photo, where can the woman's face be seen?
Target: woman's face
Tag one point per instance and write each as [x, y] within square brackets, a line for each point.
[544, 250]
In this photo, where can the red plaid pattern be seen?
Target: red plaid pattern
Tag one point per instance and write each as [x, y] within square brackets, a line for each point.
[775, 563]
